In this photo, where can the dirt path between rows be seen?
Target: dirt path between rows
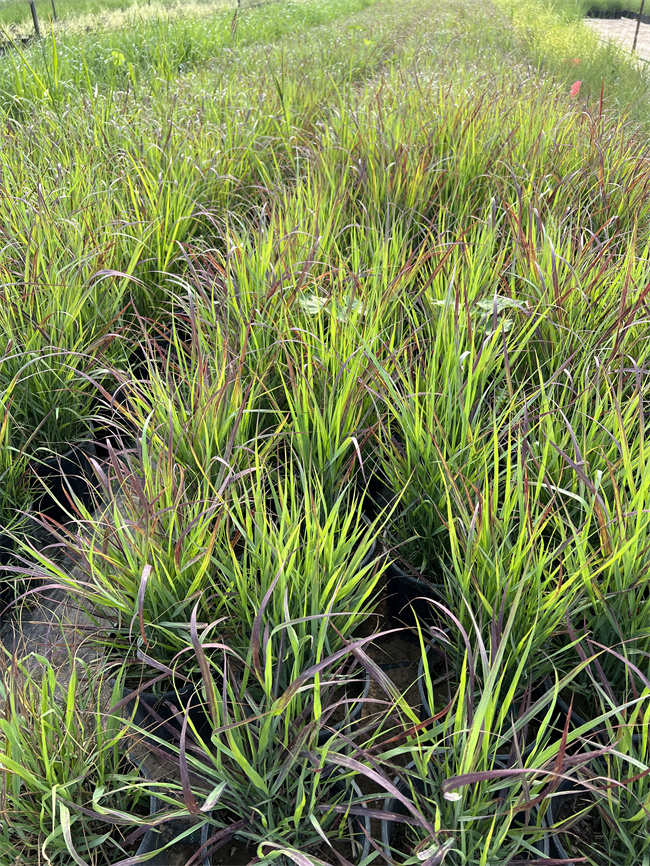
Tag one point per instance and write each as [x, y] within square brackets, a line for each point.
[621, 31]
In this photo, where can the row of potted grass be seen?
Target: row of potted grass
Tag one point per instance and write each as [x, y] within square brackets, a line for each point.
[406, 323]
[268, 772]
[65, 294]
[408, 442]
[174, 528]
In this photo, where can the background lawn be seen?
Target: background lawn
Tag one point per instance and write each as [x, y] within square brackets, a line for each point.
[82, 16]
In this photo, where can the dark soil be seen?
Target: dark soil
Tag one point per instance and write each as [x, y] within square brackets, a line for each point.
[180, 854]
[234, 854]
[405, 839]
[582, 830]
[398, 655]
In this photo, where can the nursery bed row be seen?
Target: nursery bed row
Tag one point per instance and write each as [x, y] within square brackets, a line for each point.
[324, 388]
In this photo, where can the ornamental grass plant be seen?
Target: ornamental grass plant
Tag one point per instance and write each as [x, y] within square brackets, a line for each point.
[270, 751]
[70, 791]
[157, 551]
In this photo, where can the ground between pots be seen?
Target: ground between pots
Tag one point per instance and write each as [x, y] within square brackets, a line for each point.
[582, 836]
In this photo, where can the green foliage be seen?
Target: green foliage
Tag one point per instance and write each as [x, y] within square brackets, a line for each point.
[159, 551]
[271, 753]
[69, 791]
[321, 260]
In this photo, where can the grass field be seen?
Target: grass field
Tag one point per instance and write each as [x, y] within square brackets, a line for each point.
[324, 358]
[81, 15]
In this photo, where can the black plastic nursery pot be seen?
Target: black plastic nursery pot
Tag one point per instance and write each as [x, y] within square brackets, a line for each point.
[435, 661]
[615, 13]
[426, 712]
[372, 553]
[6, 45]
[360, 827]
[157, 837]
[10, 557]
[568, 793]
[62, 478]
[111, 425]
[7, 585]
[628, 13]
[600, 12]
[157, 712]
[355, 693]
[158, 347]
[407, 602]
[376, 496]
[148, 840]
[389, 827]
[578, 720]
[161, 714]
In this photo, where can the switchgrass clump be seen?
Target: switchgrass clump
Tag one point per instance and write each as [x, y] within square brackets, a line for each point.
[159, 552]
[69, 790]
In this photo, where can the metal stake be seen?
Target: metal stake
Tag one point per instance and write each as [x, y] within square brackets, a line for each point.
[32, 6]
[638, 24]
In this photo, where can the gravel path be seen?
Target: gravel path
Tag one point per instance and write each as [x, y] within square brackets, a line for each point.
[621, 30]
